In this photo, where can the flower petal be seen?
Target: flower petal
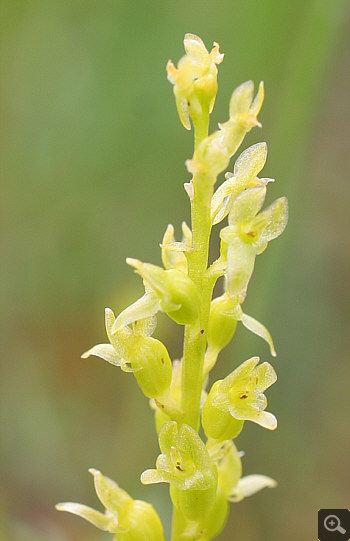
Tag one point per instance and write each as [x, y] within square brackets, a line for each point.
[240, 266]
[248, 413]
[104, 351]
[247, 205]
[96, 518]
[241, 99]
[109, 493]
[251, 161]
[242, 372]
[195, 47]
[277, 214]
[150, 477]
[258, 100]
[182, 110]
[147, 306]
[258, 328]
[266, 376]
[249, 485]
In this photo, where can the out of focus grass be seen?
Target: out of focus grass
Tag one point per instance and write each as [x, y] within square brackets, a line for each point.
[92, 170]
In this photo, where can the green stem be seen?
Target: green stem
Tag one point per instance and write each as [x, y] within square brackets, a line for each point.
[195, 335]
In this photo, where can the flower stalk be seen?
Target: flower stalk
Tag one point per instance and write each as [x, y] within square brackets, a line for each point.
[204, 475]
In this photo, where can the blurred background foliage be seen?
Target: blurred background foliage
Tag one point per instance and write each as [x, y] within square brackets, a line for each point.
[92, 168]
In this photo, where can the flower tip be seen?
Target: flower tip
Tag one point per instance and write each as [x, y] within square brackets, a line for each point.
[189, 189]
[93, 471]
[215, 54]
[136, 263]
[85, 355]
[272, 423]
[172, 72]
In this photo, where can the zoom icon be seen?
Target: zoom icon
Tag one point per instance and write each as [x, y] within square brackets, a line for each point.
[334, 525]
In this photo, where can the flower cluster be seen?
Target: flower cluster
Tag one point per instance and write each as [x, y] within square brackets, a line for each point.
[204, 475]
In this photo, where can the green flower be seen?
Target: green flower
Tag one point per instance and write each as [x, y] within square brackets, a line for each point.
[127, 519]
[148, 358]
[212, 155]
[186, 465]
[171, 291]
[245, 175]
[249, 232]
[239, 397]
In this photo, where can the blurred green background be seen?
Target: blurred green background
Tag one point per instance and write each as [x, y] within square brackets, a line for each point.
[92, 165]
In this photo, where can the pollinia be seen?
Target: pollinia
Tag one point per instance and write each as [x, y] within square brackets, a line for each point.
[204, 475]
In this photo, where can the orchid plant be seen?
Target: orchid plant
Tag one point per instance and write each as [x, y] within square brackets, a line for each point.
[204, 475]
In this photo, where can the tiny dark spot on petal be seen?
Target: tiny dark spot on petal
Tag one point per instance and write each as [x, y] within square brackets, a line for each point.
[202, 331]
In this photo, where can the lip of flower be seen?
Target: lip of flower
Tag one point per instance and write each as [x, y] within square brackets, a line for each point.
[241, 393]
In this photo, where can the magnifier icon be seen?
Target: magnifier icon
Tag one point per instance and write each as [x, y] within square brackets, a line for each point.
[332, 524]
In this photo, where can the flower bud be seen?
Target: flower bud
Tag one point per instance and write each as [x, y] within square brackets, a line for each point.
[216, 423]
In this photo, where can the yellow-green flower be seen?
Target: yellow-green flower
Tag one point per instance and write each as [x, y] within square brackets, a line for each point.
[127, 519]
[195, 79]
[187, 466]
[148, 358]
[171, 291]
[212, 155]
[245, 175]
[239, 397]
[249, 232]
